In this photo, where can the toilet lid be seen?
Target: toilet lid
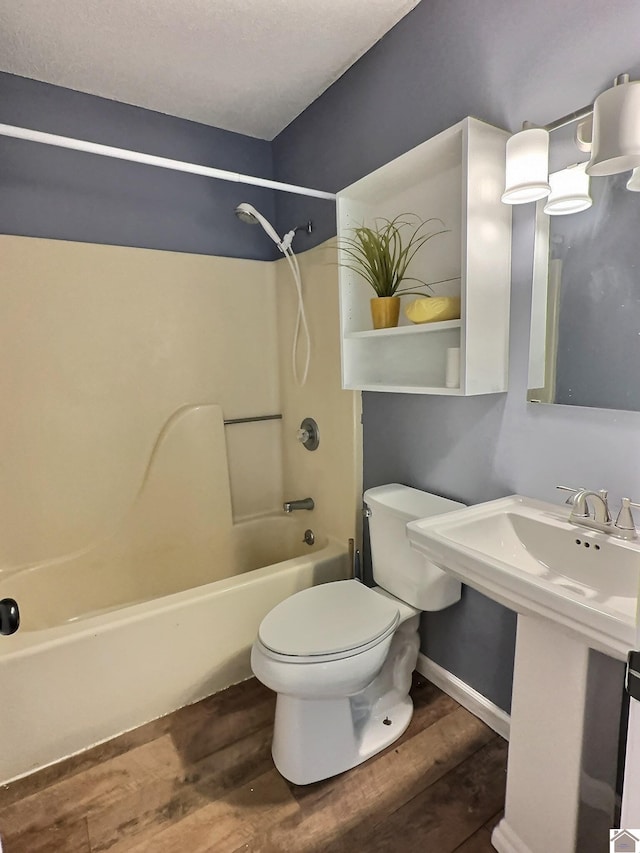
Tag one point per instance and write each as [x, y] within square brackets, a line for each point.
[327, 619]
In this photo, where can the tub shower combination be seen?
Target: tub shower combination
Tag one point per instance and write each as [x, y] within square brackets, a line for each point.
[157, 614]
[161, 610]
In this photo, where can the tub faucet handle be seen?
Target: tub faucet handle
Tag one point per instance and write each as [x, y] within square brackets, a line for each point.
[309, 435]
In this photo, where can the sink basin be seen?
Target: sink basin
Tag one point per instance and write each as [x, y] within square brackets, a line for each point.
[526, 554]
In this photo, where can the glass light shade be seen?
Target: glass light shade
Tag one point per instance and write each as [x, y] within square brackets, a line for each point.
[616, 131]
[569, 191]
[527, 166]
[633, 183]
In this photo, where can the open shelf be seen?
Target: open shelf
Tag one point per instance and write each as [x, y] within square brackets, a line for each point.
[417, 329]
[407, 389]
[458, 177]
[411, 359]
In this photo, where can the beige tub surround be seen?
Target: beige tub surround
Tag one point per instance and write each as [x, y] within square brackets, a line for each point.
[332, 474]
[101, 345]
[105, 343]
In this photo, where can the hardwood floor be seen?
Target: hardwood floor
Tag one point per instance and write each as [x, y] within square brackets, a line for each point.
[202, 781]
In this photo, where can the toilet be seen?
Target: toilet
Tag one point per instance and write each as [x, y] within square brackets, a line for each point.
[340, 655]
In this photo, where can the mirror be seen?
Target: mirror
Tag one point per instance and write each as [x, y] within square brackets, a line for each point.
[585, 319]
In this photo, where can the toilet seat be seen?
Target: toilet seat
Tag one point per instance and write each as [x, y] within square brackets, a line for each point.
[327, 622]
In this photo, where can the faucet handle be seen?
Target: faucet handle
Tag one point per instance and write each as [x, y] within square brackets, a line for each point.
[574, 492]
[625, 521]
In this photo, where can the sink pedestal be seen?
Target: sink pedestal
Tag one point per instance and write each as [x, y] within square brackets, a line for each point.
[546, 741]
[575, 591]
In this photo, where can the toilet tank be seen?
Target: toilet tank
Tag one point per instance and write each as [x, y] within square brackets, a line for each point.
[397, 568]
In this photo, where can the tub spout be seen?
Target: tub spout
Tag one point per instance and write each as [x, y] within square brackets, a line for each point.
[305, 503]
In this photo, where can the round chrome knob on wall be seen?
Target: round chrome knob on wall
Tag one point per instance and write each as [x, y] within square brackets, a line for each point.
[308, 434]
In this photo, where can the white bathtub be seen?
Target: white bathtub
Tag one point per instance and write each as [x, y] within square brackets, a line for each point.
[88, 664]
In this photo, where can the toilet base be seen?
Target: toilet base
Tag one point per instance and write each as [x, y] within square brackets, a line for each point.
[314, 739]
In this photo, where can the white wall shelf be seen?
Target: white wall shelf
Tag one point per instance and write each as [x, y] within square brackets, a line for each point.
[418, 329]
[457, 176]
[408, 389]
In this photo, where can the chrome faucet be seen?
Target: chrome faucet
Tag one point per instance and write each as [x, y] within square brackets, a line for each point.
[305, 503]
[580, 500]
[599, 499]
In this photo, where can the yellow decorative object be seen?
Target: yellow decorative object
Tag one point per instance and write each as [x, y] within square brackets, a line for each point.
[385, 311]
[433, 309]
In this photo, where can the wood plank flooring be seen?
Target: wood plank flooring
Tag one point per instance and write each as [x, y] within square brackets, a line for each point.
[202, 781]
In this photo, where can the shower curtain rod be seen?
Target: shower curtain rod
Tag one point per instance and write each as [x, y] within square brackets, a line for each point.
[153, 160]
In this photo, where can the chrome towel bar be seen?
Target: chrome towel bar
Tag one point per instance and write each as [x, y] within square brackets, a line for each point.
[229, 421]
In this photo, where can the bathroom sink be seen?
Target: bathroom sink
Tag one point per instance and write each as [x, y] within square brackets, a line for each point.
[526, 554]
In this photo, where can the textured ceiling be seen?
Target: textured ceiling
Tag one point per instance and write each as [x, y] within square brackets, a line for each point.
[245, 65]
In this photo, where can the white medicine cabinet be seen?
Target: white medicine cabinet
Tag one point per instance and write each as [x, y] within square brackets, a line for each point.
[457, 176]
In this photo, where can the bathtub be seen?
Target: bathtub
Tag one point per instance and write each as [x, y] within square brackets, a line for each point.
[92, 661]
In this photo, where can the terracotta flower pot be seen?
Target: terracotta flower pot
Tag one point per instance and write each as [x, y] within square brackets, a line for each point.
[385, 311]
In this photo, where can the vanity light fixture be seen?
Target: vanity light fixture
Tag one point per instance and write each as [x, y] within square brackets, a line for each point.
[584, 134]
[616, 129]
[527, 166]
[569, 191]
[615, 148]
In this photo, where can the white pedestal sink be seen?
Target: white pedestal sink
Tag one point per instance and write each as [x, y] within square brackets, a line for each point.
[573, 589]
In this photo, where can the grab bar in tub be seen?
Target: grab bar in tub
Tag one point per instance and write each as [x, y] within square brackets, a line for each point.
[230, 421]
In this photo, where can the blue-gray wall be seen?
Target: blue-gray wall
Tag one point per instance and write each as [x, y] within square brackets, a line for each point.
[66, 195]
[501, 62]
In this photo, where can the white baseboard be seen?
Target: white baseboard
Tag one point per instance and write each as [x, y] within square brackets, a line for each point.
[475, 702]
[505, 840]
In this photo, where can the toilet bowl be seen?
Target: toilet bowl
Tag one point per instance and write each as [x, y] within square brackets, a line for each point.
[340, 656]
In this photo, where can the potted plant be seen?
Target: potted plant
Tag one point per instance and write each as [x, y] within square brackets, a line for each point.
[381, 255]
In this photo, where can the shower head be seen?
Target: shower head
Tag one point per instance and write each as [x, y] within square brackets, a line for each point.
[247, 213]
